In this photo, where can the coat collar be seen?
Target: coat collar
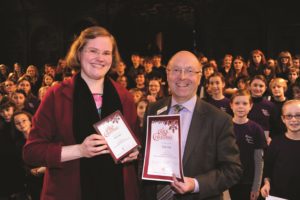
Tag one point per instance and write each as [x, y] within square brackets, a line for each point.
[165, 106]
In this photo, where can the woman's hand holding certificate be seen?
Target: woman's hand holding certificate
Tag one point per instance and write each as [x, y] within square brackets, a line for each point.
[132, 156]
[120, 140]
[93, 145]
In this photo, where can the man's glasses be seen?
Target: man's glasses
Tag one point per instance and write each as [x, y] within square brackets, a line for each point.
[187, 71]
[289, 117]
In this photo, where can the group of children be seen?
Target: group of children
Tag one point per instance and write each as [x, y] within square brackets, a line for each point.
[256, 104]
[18, 103]
[262, 126]
[266, 124]
[259, 124]
[19, 181]
[279, 166]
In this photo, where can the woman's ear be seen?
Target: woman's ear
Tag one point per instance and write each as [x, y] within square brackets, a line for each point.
[78, 56]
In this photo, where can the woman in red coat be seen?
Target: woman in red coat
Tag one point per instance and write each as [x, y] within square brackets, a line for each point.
[79, 166]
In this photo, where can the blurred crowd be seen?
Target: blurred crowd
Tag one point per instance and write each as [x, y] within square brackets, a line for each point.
[270, 81]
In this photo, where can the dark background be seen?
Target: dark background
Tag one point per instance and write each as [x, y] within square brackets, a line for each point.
[40, 31]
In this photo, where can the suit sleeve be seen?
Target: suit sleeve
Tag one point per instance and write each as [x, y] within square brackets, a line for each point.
[227, 169]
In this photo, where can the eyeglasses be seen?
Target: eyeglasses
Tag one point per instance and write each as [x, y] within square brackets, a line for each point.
[289, 117]
[187, 71]
[95, 52]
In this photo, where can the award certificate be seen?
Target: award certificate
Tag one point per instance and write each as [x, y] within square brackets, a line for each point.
[120, 139]
[163, 149]
[274, 198]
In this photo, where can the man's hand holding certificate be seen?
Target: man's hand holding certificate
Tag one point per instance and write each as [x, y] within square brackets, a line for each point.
[163, 149]
[120, 140]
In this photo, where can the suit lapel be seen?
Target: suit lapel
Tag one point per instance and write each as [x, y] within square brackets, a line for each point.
[164, 107]
[194, 134]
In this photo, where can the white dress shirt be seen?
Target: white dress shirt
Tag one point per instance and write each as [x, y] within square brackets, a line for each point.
[186, 115]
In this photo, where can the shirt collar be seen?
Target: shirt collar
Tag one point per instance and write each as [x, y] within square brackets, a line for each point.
[189, 105]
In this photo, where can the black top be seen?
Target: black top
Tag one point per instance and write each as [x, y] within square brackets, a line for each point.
[263, 112]
[223, 104]
[279, 127]
[12, 174]
[282, 166]
[249, 137]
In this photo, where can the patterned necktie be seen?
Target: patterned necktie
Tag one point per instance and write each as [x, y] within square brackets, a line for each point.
[177, 108]
[164, 192]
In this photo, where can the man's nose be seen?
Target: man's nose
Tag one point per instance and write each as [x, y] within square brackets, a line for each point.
[182, 74]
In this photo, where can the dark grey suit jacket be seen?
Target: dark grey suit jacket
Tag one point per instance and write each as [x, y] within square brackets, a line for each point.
[211, 154]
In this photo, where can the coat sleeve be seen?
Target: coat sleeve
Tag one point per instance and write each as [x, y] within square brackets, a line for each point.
[227, 168]
[43, 148]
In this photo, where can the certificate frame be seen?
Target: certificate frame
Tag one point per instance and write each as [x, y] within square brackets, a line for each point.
[274, 198]
[172, 122]
[107, 126]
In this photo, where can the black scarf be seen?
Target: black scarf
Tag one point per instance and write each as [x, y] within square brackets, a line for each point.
[100, 177]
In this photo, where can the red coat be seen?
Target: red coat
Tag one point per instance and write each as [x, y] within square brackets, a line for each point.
[52, 128]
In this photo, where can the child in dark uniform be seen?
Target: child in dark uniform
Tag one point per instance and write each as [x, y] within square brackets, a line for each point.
[278, 87]
[203, 90]
[216, 84]
[282, 161]
[263, 111]
[251, 141]
[34, 175]
[12, 174]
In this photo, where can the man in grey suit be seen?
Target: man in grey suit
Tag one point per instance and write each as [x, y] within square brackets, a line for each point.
[211, 161]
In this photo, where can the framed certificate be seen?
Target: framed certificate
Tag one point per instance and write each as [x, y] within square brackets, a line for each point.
[162, 157]
[120, 139]
[274, 198]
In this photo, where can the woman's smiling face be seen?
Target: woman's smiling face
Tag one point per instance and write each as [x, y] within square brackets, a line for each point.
[96, 58]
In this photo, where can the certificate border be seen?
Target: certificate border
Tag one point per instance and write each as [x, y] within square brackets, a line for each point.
[147, 176]
[108, 118]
